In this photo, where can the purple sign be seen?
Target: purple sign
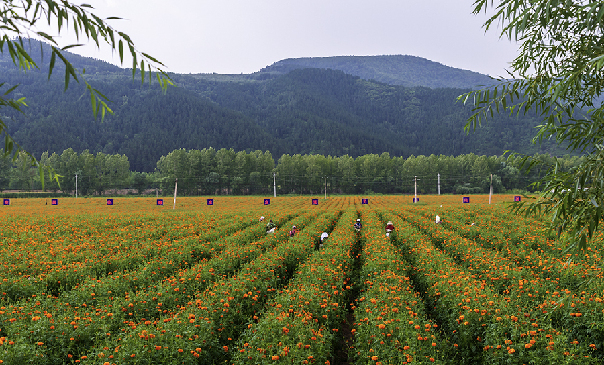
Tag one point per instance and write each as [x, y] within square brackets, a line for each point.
[364, 201]
[54, 202]
[210, 202]
[315, 202]
[267, 201]
[6, 202]
[109, 201]
[466, 199]
[416, 200]
[160, 202]
[517, 198]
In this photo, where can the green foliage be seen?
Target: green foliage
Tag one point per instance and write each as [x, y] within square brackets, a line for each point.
[20, 18]
[224, 171]
[311, 111]
[559, 77]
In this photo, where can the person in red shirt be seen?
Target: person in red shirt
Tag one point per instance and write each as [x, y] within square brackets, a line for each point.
[389, 228]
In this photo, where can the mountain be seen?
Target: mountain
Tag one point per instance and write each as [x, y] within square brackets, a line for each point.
[393, 70]
[305, 110]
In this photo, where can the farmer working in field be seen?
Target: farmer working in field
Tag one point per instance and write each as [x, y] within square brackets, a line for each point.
[358, 225]
[324, 236]
[270, 226]
[389, 228]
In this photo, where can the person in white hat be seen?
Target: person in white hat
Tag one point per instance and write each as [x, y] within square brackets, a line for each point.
[358, 225]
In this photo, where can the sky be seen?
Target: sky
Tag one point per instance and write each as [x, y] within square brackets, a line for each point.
[243, 36]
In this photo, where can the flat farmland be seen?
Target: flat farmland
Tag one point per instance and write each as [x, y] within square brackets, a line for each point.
[139, 283]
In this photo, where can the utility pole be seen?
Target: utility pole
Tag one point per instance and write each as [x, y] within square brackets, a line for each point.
[415, 199]
[491, 190]
[76, 185]
[439, 184]
[274, 184]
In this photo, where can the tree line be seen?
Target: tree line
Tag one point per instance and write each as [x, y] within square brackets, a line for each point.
[228, 172]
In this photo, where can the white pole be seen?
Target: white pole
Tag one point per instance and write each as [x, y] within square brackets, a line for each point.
[491, 189]
[274, 185]
[415, 199]
[76, 186]
[438, 184]
[175, 189]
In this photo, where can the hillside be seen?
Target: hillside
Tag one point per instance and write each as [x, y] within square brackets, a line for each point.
[307, 110]
[393, 70]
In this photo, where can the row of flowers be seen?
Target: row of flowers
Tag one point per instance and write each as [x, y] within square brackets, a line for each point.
[482, 325]
[301, 324]
[530, 243]
[391, 324]
[105, 253]
[570, 295]
[207, 325]
[102, 306]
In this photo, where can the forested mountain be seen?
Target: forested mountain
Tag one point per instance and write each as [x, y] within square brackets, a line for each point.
[389, 69]
[306, 110]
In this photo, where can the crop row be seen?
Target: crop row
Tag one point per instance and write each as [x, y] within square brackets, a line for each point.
[223, 291]
[573, 308]
[301, 324]
[208, 324]
[482, 325]
[93, 306]
[391, 322]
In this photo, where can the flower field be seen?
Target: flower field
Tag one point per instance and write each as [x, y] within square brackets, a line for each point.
[137, 283]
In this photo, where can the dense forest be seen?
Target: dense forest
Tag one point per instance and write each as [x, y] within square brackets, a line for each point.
[306, 111]
[226, 171]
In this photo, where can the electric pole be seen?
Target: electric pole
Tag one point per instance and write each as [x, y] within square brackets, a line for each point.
[415, 199]
[438, 184]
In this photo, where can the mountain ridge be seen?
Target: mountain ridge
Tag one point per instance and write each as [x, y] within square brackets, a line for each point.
[390, 69]
[307, 110]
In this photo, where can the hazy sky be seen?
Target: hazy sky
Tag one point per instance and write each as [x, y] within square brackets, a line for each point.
[243, 36]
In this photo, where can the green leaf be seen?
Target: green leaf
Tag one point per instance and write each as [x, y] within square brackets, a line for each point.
[121, 51]
[142, 71]
[53, 58]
